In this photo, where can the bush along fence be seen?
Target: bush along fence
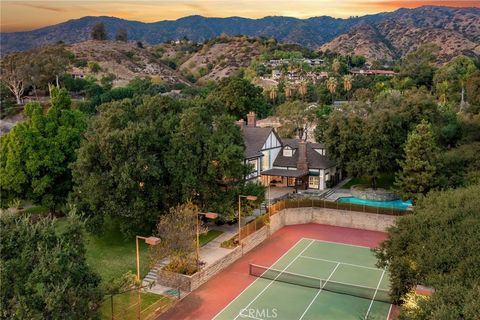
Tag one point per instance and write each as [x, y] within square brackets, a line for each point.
[263, 220]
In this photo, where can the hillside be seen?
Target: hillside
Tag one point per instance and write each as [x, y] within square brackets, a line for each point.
[125, 60]
[455, 30]
[222, 59]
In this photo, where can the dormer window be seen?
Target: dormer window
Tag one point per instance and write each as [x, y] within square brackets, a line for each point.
[287, 151]
[320, 151]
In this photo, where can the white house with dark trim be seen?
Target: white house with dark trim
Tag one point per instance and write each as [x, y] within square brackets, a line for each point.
[286, 162]
[262, 146]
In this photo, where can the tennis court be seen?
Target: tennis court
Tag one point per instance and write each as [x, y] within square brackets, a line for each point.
[315, 280]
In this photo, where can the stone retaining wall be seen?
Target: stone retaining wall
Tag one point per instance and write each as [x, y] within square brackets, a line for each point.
[292, 216]
[334, 217]
[190, 283]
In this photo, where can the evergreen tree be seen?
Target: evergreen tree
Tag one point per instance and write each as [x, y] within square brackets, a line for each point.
[35, 156]
[121, 35]
[98, 31]
[418, 173]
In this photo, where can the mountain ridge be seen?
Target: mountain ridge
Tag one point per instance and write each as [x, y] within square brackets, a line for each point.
[390, 36]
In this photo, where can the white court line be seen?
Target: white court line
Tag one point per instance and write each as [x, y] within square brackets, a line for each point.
[389, 311]
[319, 291]
[344, 263]
[248, 316]
[268, 285]
[341, 243]
[374, 295]
[258, 278]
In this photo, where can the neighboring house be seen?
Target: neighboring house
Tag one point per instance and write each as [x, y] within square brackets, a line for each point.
[286, 162]
[373, 72]
[276, 74]
[77, 73]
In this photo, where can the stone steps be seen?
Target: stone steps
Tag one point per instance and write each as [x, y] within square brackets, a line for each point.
[151, 276]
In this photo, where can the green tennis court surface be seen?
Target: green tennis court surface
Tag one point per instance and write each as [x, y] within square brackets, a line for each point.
[315, 280]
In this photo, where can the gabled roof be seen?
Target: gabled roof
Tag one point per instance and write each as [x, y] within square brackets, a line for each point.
[315, 160]
[255, 138]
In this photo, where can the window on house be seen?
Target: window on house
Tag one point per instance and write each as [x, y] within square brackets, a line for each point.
[287, 152]
[254, 166]
[291, 182]
[320, 151]
[313, 182]
[266, 160]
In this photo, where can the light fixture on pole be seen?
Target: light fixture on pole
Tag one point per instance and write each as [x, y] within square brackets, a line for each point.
[153, 241]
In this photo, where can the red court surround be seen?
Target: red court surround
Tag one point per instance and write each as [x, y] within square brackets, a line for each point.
[209, 299]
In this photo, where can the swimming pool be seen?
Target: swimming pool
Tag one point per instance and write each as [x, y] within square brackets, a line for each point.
[396, 204]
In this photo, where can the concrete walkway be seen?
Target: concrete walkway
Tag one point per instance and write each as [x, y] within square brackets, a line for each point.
[209, 253]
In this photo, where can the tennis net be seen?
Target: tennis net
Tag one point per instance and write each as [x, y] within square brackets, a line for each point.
[317, 283]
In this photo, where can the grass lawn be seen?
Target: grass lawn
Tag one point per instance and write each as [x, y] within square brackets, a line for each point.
[385, 181]
[125, 306]
[111, 255]
[35, 210]
[209, 236]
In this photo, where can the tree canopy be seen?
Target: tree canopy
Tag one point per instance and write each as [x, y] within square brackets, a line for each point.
[35, 155]
[45, 274]
[437, 247]
[147, 154]
[238, 96]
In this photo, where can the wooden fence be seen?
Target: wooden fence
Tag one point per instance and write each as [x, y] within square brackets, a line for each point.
[263, 220]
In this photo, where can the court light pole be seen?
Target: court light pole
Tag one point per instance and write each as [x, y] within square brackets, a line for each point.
[240, 197]
[153, 241]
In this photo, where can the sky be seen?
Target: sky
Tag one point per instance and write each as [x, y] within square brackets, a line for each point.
[22, 15]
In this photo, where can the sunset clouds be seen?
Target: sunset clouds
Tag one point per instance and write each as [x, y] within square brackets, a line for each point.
[19, 15]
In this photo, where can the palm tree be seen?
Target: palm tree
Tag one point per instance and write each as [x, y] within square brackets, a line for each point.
[442, 89]
[302, 89]
[273, 94]
[332, 87]
[288, 91]
[336, 66]
[347, 84]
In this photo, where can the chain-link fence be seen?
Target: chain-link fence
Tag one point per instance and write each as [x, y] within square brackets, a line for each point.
[135, 304]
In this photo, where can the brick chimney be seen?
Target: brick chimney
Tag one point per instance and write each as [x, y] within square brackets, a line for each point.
[251, 119]
[240, 123]
[302, 163]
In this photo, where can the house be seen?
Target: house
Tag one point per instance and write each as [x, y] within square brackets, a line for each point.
[286, 162]
[262, 146]
[276, 74]
[77, 73]
[303, 165]
[370, 72]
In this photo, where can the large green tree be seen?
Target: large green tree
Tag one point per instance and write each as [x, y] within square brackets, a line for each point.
[297, 119]
[238, 96]
[454, 74]
[45, 274]
[143, 156]
[205, 156]
[419, 65]
[437, 247]
[120, 170]
[419, 168]
[35, 156]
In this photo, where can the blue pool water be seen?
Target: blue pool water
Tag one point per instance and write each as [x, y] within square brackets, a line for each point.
[395, 204]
